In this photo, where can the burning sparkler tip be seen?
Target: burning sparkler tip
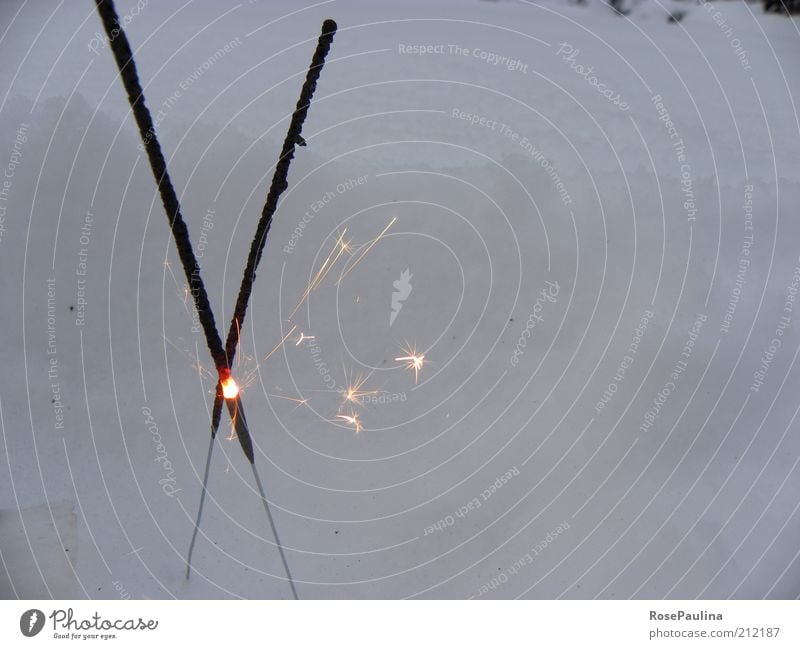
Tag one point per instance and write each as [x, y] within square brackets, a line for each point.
[230, 389]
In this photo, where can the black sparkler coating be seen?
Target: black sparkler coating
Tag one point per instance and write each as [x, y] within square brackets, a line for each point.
[123, 55]
[222, 357]
[279, 183]
[236, 411]
[130, 79]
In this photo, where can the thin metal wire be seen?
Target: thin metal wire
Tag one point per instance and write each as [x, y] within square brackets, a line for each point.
[200, 509]
[274, 531]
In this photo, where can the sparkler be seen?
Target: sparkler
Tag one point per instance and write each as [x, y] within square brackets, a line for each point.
[227, 388]
[278, 185]
[120, 47]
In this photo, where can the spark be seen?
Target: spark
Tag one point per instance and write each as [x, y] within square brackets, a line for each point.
[168, 266]
[354, 393]
[369, 247]
[283, 340]
[196, 364]
[250, 378]
[342, 246]
[184, 293]
[299, 402]
[241, 358]
[413, 360]
[353, 420]
[302, 338]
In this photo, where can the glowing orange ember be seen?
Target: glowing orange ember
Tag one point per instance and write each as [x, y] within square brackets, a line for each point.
[230, 390]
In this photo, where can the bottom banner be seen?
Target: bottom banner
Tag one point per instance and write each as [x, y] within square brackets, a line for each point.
[404, 624]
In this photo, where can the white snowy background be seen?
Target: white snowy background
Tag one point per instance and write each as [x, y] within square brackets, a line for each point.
[487, 478]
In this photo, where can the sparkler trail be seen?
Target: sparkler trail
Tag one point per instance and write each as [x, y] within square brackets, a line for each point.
[202, 371]
[352, 419]
[299, 402]
[251, 376]
[283, 340]
[183, 293]
[323, 271]
[374, 241]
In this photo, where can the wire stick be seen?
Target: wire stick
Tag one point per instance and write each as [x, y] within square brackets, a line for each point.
[279, 181]
[274, 531]
[121, 49]
[223, 357]
[236, 410]
[278, 185]
[200, 509]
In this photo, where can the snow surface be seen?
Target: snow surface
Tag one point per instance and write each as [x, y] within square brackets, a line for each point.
[495, 475]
